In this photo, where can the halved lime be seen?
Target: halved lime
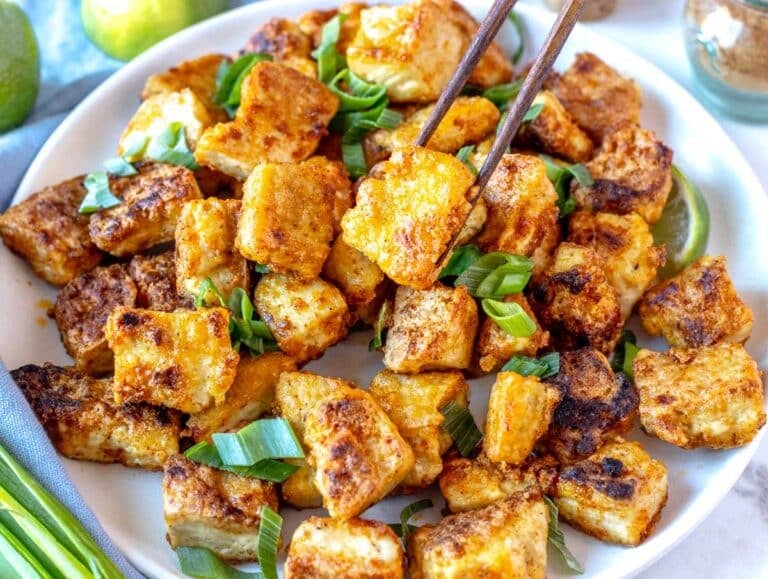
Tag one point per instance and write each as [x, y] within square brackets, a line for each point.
[19, 66]
[684, 225]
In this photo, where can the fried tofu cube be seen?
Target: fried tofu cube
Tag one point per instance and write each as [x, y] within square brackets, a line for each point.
[205, 247]
[323, 548]
[251, 395]
[299, 489]
[413, 403]
[406, 215]
[354, 274]
[522, 210]
[268, 127]
[306, 318]
[519, 413]
[698, 307]
[596, 405]
[81, 418]
[47, 231]
[432, 329]
[81, 312]
[150, 206]
[312, 23]
[286, 42]
[596, 96]
[181, 359]
[287, 216]
[626, 245]
[692, 397]
[505, 539]
[615, 495]
[214, 509]
[632, 172]
[574, 300]
[214, 183]
[155, 279]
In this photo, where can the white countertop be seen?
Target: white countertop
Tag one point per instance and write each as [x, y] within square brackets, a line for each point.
[733, 542]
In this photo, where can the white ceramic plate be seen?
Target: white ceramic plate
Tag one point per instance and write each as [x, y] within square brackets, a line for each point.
[128, 501]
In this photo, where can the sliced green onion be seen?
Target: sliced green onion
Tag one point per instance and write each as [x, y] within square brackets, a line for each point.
[267, 469]
[354, 159]
[624, 355]
[557, 539]
[471, 90]
[233, 100]
[230, 77]
[377, 342]
[203, 563]
[265, 438]
[461, 258]
[533, 113]
[461, 427]
[502, 94]
[119, 167]
[544, 367]
[329, 60]
[463, 156]
[561, 176]
[267, 542]
[514, 18]
[404, 529]
[202, 294]
[510, 317]
[170, 146]
[363, 95]
[16, 560]
[98, 196]
[134, 147]
[503, 281]
[389, 119]
[260, 268]
[483, 280]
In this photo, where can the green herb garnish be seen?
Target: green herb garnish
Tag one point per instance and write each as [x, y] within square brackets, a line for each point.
[329, 60]
[533, 113]
[403, 529]
[268, 438]
[170, 146]
[461, 258]
[510, 317]
[379, 337]
[98, 196]
[514, 18]
[496, 275]
[624, 355]
[260, 268]
[463, 156]
[502, 94]
[543, 367]
[557, 539]
[266, 469]
[461, 427]
[230, 77]
[561, 177]
[267, 541]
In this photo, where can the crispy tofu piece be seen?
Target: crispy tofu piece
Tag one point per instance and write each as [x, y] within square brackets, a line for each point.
[214, 509]
[323, 548]
[626, 245]
[312, 23]
[519, 413]
[150, 206]
[268, 127]
[596, 405]
[214, 183]
[632, 172]
[574, 300]
[692, 397]
[615, 495]
[413, 403]
[155, 279]
[474, 224]
[205, 247]
[288, 213]
[698, 307]
[596, 96]
[355, 275]
[505, 539]
[522, 210]
[406, 215]
[305, 317]
[251, 395]
[432, 329]
[47, 231]
[84, 423]
[181, 359]
[286, 42]
[299, 489]
[81, 311]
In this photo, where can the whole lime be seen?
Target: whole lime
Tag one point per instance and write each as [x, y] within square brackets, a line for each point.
[125, 28]
[19, 66]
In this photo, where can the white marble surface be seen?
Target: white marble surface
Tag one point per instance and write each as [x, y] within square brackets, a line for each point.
[733, 542]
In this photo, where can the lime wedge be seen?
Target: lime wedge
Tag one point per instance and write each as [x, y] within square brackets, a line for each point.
[19, 66]
[684, 225]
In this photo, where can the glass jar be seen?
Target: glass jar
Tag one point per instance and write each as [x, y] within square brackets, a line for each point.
[593, 9]
[727, 44]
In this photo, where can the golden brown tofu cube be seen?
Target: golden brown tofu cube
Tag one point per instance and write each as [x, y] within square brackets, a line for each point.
[305, 317]
[81, 418]
[354, 274]
[406, 215]
[214, 509]
[632, 172]
[692, 397]
[596, 405]
[575, 302]
[81, 311]
[47, 230]
[626, 245]
[312, 23]
[268, 127]
[205, 247]
[697, 307]
[287, 217]
[181, 359]
[596, 96]
[413, 403]
[505, 539]
[251, 395]
[150, 204]
[299, 489]
[214, 183]
[286, 43]
[155, 279]
[323, 548]
[522, 210]
[432, 329]
[519, 413]
[615, 495]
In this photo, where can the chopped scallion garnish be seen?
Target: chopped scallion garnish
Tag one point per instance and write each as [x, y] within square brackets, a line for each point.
[260, 268]
[329, 60]
[461, 258]
[557, 538]
[119, 167]
[170, 146]
[403, 529]
[261, 439]
[561, 176]
[496, 274]
[377, 342]
[463, 156]
[202, 563]
[361, 96]
[543, 367]
[230, 77]
[510, 317]
[533, 113]
[514, 18]
[624, 355]
[502, 94]
[98, 195]
[267, 469]
[461, 427]
[267, 542]
[354, 159]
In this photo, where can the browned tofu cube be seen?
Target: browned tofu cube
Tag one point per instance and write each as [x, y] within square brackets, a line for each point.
[323, 548]
[81, 418]
[596, 405]
[692, 397]
[286, 42]
[181, 359]
[155, 279]
[214, 183]
[214, 509]
[149, 210]
[615, 495]
[354, 274]
[698, 307]
[299, 489]
[575, 302]
[431, 329]
[82, 309]
[47, 230]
